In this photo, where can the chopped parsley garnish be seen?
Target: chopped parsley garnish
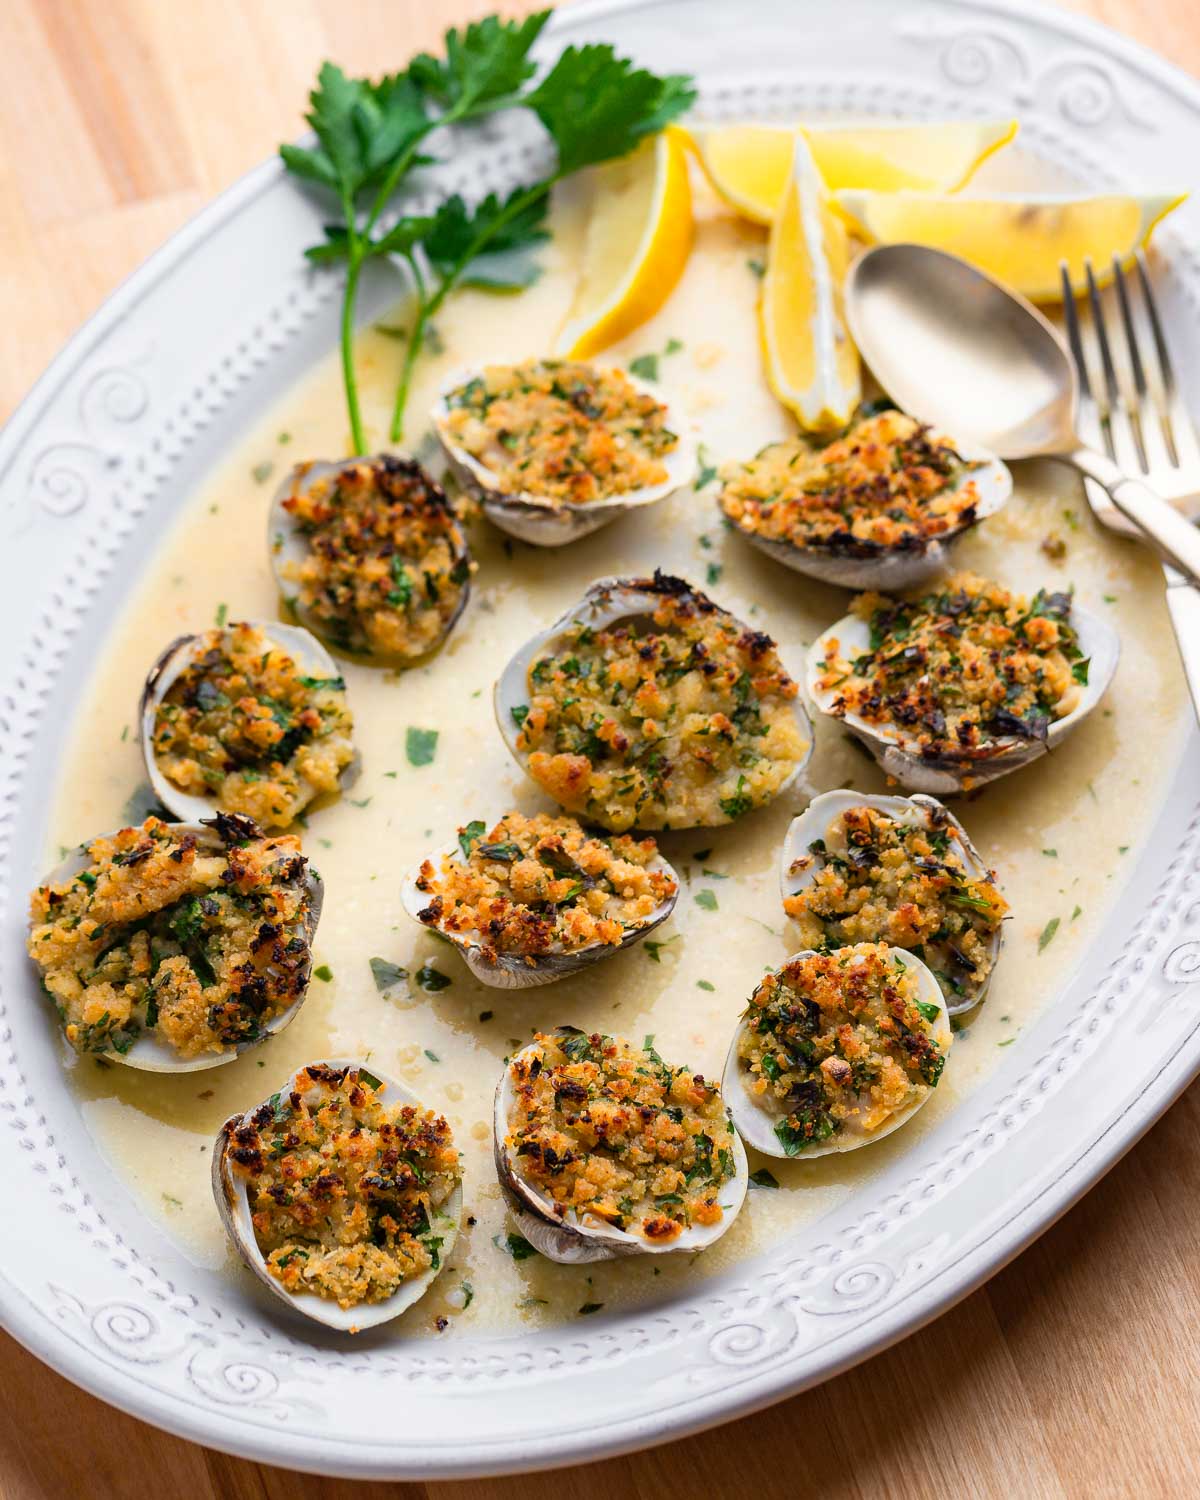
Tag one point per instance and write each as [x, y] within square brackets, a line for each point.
[469, 836]
[420, 745]
[654, 946]
[515, 1245]
[741, 802]
[707, 473]
[386, 974]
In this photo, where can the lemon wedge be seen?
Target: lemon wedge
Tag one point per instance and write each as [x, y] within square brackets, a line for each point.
[1019, 241]
[636, 245]
[811, 364]
[749, 165]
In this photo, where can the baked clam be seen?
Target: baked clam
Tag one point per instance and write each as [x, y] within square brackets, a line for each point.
[554, 449]
[967, 683]
[605, 1150]
[836, 1050]
[248, 718]
[176, 946]
[370, 556]
[646, 705]
[877, 508]
[535, 899]
[345, 1203]
[860, 867]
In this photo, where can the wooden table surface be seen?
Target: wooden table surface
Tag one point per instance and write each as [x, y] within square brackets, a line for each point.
[1073, 1373]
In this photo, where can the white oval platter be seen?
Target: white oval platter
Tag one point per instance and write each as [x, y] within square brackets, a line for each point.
[121, 429]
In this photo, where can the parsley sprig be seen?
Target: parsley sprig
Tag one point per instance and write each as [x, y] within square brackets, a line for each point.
[594, 105]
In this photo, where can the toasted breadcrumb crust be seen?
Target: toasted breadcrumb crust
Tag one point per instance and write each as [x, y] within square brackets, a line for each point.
[681, 722]
[608, 1133]
[160, 935]
[838, 1045]
[242, 724]
[888, 482]
[346, 1191]
[542, 885]
[564, 433]
[387, 563]
[960, 669]
[883, 880]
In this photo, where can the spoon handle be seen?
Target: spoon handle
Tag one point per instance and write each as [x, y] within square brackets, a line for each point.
[1176, 538]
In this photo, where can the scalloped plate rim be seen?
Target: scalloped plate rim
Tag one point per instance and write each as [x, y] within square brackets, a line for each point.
[47, 1333]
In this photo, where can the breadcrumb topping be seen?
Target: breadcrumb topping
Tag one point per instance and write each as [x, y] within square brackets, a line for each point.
[541, 885]
[347, 1193]
[160, 935]
[888, 482]
[962, 669]
[387, 561]
[840, 1044]
[609, 1133]
[880, 879]
[564, 433]
[678, 720]
[242, 724]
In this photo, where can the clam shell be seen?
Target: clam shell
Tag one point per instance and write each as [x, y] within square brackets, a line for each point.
[606, 601]
[513, 971]
[757, 1125]
[148, 1054]
[864, 565]
[528, 517]
[922, 811]
[287, 543]
[580, 1244]
[301, 645]
[946, 774]
[233, 1205]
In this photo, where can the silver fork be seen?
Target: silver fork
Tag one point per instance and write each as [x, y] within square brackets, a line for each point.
[1140, 418]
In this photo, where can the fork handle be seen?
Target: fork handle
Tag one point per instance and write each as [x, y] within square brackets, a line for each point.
[1176, 538]
[1183, 605]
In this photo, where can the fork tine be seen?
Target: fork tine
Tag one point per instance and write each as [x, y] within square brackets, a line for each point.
[1090, 414]
[1178, 427]
[1131, 344]
[1071, 317]
[1116, 403]
[1158, 440]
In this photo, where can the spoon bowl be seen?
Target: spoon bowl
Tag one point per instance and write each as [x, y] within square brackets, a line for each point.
[956, 348]
[964, 353]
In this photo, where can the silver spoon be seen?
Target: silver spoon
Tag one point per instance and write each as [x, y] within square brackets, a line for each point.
[956, 349]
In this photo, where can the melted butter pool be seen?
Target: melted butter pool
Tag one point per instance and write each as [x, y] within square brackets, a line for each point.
[1057, 833]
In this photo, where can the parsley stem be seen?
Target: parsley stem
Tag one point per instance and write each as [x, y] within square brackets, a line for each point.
[428, 307]
[354, 260]
[360, 248]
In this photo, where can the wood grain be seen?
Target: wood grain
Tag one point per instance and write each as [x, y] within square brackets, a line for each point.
[1074, 1373]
